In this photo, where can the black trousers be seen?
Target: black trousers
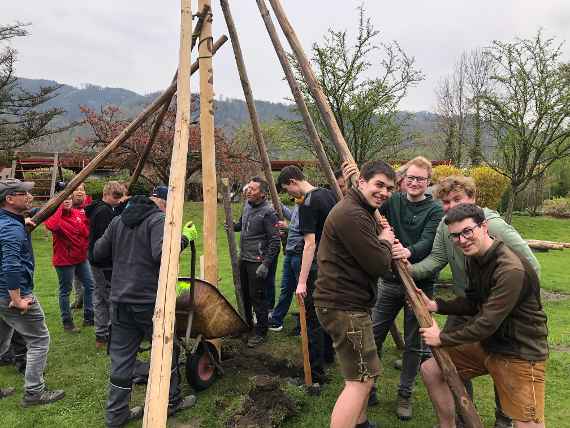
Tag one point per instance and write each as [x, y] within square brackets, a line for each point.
[130, 325]
[254, 296]
[16, 354]
[321, 349]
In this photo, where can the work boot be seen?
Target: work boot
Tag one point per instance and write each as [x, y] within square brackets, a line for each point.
[373, 398]
[6, 392]
[44, 397]
[404, 410]
[255, 341]
[70, 328]
[184, 404]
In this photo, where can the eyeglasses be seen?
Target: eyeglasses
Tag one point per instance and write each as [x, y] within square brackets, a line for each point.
[466, 233]
[412, 178]
[17, 194]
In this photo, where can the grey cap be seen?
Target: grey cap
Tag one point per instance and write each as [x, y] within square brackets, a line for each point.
[13, 185]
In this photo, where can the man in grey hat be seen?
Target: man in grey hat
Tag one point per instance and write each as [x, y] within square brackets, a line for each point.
[19, 309]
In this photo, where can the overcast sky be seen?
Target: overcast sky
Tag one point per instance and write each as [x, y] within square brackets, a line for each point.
[134, 44]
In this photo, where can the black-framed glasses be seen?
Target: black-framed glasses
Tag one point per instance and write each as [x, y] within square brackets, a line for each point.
[412, 178]
[466, 233]
[17, 194]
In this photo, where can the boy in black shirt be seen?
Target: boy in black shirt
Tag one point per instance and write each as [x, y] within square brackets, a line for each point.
[313, 211]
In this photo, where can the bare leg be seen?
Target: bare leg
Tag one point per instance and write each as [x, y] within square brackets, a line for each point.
[350, 407]
[439, 393]
[519, 424]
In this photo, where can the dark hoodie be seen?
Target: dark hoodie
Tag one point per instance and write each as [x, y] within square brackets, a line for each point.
[100, 215]
[133, 242]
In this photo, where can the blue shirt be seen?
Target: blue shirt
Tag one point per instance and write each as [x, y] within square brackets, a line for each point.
[16, 255]
[294, 236]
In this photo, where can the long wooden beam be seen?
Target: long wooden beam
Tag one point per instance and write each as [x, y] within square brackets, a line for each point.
[156, 405]
[466, 407]
[49, 208]
[160, 117]
[299, 100]
[254, 118]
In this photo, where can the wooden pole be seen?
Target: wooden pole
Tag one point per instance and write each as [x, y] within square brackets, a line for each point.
[54, 174]
[209, 185]
[13, 169]
[468, 411]
[305, 342]
[156, 404]
[160, 117]
[301, 105]
[254, 118]
[232, 245]
[49, 208]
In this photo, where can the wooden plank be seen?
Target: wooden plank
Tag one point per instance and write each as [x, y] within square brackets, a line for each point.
[49, 208]
[156, 405]
[209, 184]
[466, 407]
[253, 117]
[299, 100]
[226, 197]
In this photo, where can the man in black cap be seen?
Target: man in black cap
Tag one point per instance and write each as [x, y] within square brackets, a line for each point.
[134, 243]
[19, 309]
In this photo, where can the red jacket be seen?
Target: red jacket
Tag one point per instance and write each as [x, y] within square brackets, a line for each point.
[70, 229]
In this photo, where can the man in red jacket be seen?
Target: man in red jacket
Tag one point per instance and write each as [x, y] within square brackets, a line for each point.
[70, 229]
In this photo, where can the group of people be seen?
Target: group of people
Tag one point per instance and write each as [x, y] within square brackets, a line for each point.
[340, 262]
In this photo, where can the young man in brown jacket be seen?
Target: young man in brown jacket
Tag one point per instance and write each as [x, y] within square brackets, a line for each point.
[354, 251]
[507, 336]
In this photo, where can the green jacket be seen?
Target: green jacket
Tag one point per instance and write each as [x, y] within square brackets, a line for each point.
[444, 251]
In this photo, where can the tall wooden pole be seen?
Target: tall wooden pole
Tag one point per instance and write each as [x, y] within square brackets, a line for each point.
[160, 117]
[209, 185]
[466, 407]
[49, 208]
[54, 174]
[301, 105]
[156, 405]
[254, 118]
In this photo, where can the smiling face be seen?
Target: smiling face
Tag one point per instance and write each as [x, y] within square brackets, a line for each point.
[454, 198]
[470, 237]
[416, 180]
[293, 188]
[376, 190]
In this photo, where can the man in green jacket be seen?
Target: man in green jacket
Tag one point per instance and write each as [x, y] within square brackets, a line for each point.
[452, 191]
[506, 336]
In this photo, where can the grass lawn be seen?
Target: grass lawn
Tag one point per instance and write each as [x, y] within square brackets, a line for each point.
[76, 366]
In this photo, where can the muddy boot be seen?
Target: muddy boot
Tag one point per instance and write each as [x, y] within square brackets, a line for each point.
[404, 410]
[70, 328]
[44, 397]
[6, 392]
[255, 341]
[186, 403]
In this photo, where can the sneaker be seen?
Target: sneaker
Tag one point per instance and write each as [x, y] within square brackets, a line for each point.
[373, 398]
[186, 403]
[44, 397]
[255, 341]
[274, 326]
[70, 328]
[404, 410]
[88, 323]
[6, 392]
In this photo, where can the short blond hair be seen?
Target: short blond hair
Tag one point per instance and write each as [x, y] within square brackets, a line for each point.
[455, 183]
[114, 188]
[420, 162]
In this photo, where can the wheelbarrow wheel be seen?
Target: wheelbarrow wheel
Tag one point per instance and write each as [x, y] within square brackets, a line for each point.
[200, 369]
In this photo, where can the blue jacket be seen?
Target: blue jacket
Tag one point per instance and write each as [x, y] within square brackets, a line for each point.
[16, 255]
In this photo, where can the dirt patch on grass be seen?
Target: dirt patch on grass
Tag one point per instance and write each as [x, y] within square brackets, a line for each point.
[265, 406]
[552, 296]
[236, 356]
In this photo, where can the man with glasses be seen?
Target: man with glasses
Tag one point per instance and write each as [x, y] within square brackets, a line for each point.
[414, 216]
[506, 336]
[452, 191]
[19, 309]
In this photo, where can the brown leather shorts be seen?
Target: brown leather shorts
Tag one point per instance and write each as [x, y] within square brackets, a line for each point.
[519, 383]
[353, 342]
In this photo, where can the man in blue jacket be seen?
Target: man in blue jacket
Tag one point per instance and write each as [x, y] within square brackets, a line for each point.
[19, 309]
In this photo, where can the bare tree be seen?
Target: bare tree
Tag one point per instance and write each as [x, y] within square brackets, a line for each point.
[527, 109]
[22, 121]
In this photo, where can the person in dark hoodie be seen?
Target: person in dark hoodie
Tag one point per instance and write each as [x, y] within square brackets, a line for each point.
[259, 247]
[133, 242]
[100, 213]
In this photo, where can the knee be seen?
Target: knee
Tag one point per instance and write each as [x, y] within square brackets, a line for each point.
[430, 371]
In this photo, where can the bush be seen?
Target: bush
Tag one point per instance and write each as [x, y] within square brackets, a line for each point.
[490, 186]
[557, 207]
[442, 171]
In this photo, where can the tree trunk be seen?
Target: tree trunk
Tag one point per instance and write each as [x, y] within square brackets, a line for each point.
[510, 206]
[476, 150]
